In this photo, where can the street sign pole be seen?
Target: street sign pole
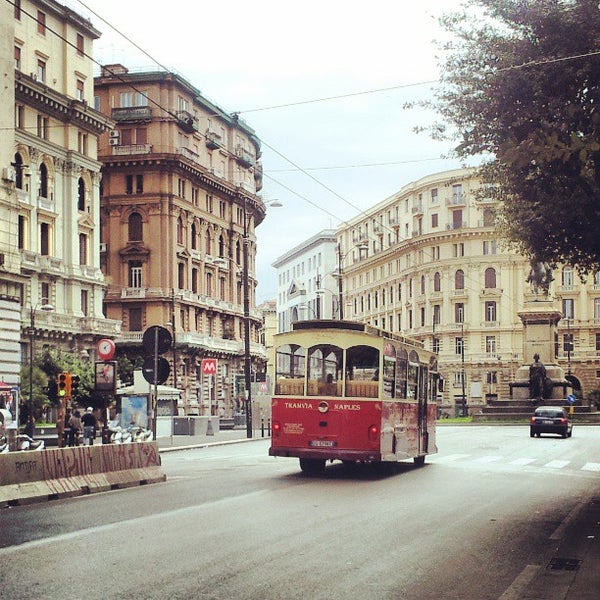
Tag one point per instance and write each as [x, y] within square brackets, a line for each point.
[155, 395]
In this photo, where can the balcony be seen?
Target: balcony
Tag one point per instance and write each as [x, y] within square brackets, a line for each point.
[133, 293]
[457, 200]
[131, 149]
[187, 121]
[417, 209]
[189, 154]
[243, 157]
[213, 140]
[131, 113]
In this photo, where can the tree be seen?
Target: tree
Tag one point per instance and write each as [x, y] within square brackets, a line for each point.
[521, 84]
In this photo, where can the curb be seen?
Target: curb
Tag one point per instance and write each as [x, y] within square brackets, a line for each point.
[207, 444]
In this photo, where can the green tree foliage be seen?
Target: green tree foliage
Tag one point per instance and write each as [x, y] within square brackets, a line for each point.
[521, 84]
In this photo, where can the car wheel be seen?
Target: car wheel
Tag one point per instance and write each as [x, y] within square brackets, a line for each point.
[564, 435]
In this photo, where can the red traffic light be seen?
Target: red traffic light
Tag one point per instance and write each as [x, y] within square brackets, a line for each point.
[64, 385]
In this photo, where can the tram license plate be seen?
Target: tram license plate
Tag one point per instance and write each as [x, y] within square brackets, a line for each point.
[321, 444]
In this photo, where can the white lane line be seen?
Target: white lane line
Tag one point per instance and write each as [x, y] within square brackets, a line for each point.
[523, 461]
[591, 467]
[451, 457]
[557, 464]
[488, 459]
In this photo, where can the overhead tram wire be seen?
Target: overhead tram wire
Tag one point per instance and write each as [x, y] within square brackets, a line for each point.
[221, 114]
[323, 99]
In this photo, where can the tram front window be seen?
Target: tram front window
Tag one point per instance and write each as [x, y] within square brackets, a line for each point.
[324, 365]
[362, 372]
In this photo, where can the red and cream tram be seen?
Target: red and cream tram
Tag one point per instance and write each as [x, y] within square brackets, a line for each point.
[348, 391]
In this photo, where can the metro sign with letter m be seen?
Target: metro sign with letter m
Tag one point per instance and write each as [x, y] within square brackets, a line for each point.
[209, 366]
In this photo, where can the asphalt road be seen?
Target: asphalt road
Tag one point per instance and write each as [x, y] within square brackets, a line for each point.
[231, 522]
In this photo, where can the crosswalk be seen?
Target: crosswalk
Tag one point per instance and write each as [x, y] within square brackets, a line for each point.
[522, 461]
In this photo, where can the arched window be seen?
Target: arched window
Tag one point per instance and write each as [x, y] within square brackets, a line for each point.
[43, 180]
[437, 282]
[422, 284]
[80, 194]
[134, 227]
[490, 278]
[18, 171]
[208, 243]
[221, 246]
[459, 280]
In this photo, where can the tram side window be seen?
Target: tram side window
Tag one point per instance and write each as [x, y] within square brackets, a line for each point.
[401, 373]
[413, 375]
[362, 372]
[324, 368]
[290, 365]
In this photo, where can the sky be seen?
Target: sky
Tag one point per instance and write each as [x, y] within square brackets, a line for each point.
[323, 84]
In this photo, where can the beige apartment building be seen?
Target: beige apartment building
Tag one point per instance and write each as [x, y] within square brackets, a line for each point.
[427, 262]
[51, 285]
[179, 203]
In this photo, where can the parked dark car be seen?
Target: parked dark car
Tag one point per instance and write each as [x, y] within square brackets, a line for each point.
[550, 419]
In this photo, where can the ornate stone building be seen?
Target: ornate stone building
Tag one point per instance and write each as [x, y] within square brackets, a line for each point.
[428, 262]
[179, 205]
[49, 194]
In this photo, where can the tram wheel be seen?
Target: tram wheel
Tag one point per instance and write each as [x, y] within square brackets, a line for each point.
[419, 460]
[312, 466]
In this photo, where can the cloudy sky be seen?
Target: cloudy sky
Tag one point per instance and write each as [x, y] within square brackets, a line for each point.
[323, 84]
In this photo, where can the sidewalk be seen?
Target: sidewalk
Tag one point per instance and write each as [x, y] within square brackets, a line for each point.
[573, 572]
[225, 436]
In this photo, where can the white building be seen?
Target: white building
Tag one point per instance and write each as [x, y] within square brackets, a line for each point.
[307, 282]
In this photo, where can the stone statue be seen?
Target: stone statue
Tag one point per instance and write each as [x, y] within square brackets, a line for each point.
[540, 276]
[537, 379]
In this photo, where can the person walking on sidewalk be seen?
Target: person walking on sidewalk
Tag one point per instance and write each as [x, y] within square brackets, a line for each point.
[89, 426]
[74, 428]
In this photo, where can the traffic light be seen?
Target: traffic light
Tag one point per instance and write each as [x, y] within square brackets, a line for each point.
[52, 389]
[64, 385]
[74, 385]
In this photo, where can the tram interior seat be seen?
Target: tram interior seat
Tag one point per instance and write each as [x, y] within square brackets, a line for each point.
[290, 387]
[362, 389]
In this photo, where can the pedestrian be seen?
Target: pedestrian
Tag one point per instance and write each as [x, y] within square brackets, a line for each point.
[67, 427]
[89, 426]
[74, 428]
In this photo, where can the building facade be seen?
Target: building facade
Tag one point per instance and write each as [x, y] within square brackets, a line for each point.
[308, 280]
[179, 212]
[49, 194]
[427, 262]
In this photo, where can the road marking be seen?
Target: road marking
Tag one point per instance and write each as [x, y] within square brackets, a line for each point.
[488, 459]
[591, 467]
[517, 587]
[557, 464]
[523, 461]
[452, 457]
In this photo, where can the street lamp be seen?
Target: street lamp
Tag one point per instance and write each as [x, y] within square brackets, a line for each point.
[32, 311]
[246, 299]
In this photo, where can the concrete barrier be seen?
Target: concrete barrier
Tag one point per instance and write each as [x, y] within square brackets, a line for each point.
[33, 476]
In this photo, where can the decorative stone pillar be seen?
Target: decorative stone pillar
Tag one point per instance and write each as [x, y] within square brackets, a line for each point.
[540, 319]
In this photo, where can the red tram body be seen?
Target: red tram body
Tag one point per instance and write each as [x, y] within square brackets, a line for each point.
[347, 391]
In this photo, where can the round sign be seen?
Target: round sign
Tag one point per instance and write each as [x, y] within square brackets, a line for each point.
[162, 372]
[156, 339]
[106, 349]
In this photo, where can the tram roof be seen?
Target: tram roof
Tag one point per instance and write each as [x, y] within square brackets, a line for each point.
[353, 326]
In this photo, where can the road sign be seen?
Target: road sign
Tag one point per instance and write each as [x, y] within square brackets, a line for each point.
[209, 366]
[162, 373]
[156, 335]
[571, 399]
